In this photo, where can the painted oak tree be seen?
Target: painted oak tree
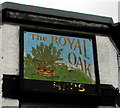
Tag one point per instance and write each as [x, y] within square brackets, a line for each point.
[43, 57]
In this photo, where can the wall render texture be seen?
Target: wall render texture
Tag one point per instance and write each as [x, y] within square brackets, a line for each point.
[107, 61]
[9, 58]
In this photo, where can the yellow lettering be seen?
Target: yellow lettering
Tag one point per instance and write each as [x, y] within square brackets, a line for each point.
[81, 88]
[85, 52]
[39, 37]
[71, 43]
[33, 36]
[87, 69]
[79, 63]
[45, 38]
[63, 43]
[74, 58]
[55, 39]
[78, 46]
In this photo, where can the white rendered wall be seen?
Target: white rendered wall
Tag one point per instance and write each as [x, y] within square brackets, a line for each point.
[0, 66]
[9, 59]
[107, 61]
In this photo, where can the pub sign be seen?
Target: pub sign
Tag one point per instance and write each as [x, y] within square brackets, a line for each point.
[56, 58]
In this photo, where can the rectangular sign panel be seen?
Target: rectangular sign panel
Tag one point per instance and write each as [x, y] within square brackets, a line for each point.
[58, 61]
[58, 58]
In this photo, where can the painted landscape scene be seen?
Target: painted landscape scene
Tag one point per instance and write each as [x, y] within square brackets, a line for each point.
[53, 58]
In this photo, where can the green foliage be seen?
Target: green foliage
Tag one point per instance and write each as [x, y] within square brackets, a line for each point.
[62, 74]
[43, 55]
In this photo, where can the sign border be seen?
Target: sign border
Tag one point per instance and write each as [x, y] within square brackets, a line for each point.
[28, 82]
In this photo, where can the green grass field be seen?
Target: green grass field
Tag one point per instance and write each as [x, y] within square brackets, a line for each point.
[61, 74]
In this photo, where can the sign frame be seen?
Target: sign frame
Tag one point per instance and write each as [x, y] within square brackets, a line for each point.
[58, 86]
